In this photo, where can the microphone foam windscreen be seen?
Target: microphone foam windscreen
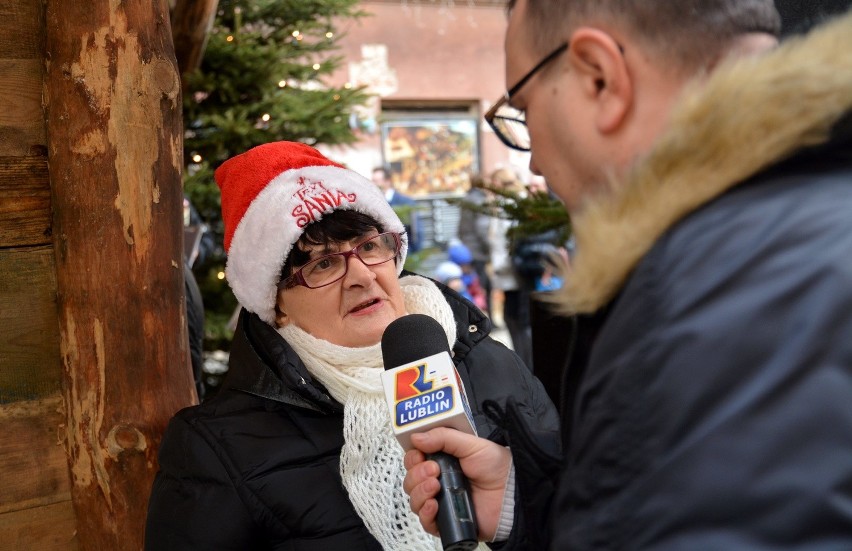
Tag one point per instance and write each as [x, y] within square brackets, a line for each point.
[411, 338]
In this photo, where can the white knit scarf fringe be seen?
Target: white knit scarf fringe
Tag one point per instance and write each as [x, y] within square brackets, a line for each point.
[371, 459]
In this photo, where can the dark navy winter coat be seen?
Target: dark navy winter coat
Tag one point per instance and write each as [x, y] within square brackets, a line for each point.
[709, 398]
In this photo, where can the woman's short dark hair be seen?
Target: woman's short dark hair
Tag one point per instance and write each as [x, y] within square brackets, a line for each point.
[338, 226]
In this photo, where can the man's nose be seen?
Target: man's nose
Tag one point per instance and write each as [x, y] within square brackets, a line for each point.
[533, 167]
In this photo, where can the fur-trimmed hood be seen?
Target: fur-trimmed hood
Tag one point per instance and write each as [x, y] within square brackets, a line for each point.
[748, 115]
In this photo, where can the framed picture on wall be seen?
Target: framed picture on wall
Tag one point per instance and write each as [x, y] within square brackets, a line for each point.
[429, 155]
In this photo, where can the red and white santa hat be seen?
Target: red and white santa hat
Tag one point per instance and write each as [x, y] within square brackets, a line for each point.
[269, 195]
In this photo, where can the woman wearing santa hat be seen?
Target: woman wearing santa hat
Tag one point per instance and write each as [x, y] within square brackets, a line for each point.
[296, 450]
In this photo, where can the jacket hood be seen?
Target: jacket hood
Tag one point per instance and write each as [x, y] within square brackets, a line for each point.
[748, 115]
[264, 364]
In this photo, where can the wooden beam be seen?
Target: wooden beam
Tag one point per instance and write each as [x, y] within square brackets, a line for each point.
[24, 202]
[48, 528]
[29, 332]
[32, 458]
[20, 25]
[35, 497]
[112, 97]
[22, 129]
[191, 24]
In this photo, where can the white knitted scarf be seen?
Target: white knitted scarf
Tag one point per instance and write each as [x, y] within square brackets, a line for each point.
[371, 459]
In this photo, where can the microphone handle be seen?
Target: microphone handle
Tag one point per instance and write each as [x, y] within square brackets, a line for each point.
[456, 517]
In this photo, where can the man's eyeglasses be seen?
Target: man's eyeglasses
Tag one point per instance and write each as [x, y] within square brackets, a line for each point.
[330, 268]
[509, 123]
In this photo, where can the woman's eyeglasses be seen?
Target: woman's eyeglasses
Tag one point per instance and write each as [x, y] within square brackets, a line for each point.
[330, 268]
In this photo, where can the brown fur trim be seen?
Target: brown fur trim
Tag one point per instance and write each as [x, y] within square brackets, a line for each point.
[746, 116]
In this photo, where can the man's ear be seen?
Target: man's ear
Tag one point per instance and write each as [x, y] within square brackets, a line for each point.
[600, 64]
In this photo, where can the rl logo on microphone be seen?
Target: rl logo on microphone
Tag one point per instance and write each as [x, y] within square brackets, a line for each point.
[416, 397]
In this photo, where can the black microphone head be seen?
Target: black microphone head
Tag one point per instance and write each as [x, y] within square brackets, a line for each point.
[411, 338]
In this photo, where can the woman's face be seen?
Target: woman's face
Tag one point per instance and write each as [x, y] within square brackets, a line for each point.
[351, 312]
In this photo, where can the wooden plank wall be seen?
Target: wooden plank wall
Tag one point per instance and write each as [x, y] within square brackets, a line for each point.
[35, 500]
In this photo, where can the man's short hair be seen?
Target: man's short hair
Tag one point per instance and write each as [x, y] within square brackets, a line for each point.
[687, 33]
[385, 172]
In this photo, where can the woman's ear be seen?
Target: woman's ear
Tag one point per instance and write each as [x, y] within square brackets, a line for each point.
[605, 80]
[281, 318]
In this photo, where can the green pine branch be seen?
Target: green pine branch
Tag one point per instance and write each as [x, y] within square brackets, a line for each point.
[533, 213]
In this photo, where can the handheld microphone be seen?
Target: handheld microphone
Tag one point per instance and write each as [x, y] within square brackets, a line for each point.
[423, 391]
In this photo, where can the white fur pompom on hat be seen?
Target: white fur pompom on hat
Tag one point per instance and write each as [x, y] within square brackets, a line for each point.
[270, 194]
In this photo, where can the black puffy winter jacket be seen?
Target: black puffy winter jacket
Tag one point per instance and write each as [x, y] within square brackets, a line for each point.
[256, 467]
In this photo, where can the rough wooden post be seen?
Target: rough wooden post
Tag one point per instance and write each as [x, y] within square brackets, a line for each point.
[112, 98]
[191, 24]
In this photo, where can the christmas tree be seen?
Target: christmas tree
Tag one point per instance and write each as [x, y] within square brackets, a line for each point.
[261, 80]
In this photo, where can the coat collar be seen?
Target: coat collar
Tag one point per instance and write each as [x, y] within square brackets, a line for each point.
[264, 364]
[748, 115]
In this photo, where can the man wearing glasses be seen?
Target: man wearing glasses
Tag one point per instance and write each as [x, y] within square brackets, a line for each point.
[709, 181]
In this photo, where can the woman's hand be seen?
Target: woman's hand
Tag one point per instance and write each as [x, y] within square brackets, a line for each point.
[485, 464]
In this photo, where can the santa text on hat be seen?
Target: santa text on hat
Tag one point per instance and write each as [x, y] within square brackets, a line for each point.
[269, 195]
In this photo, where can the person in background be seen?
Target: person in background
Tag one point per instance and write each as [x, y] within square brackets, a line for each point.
[198, 244]
[450, 274]
[199, 240]
[296, 450]
[533, 254]
[195, 329]
[473, 233]
[504, 278]
[708, 176]
[533, 260]
[458, 253]
[382, 178]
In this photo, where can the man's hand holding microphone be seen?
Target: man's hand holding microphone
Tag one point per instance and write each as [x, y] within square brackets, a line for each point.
[455, 480]
[485, 464]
